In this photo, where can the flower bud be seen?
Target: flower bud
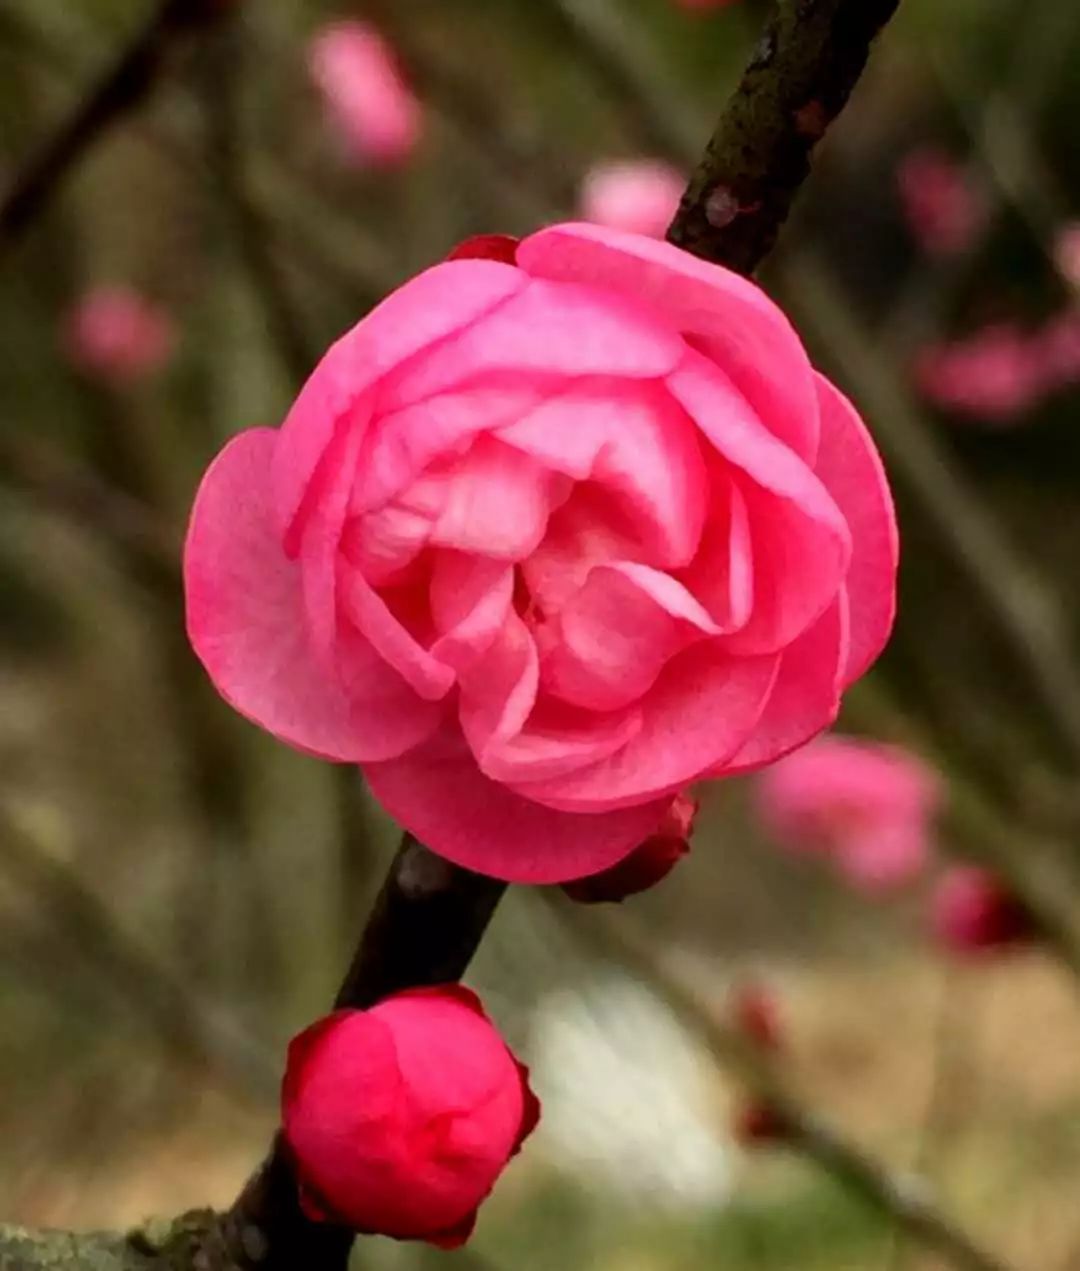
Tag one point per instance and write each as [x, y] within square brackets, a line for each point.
[757, 1123]
[399, 1119]
[116, 336]
[972, 912]
[647, 864]
[755, 1016]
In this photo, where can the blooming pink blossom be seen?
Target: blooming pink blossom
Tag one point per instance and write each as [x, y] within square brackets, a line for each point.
[116, 335]
[372, 108]
[973, 912]
[943, 212]
[544, 540]
[995, 374]
[640, 196]
[648, 864]
[400, 1119]
[866, 805]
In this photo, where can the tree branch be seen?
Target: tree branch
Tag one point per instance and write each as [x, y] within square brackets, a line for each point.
[798, 80]
[120, 90]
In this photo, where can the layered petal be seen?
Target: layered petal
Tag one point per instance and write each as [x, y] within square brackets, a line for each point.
[701, 710]
[425, 310]
[806, 696]
[730, 319]
[245, 619]
[633, 440]
[438, 793]
[547, 328]
[850, 467]
[609, 643]
[801, 543]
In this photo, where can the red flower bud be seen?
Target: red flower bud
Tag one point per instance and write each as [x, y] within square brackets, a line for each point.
[486, 247]
[647, 864]
[973, 912]
[756, 1016]
[399, 1119]
[757, 1123]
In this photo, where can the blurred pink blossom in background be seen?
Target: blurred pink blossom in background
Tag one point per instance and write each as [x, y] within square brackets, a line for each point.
[943, 211]
[637, 195]
[995, 374]
[1067, 252]
[866, 805]
[972, 912]
[114, 334]
[1057, 348]
[368, 102]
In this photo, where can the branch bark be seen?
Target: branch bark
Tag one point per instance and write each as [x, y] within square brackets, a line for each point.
[799, 79]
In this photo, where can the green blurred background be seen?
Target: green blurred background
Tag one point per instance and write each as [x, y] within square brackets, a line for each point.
[178, 892]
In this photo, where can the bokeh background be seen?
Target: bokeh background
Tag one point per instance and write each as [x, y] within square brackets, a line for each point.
[178, 892]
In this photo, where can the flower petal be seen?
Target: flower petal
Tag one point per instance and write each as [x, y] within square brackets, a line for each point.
[470, 600]
[849, 465]
[425, 310]
[438, 793]
[245, 618]
[497, 502]
[806, 697]
[632, 439]
[730, 319]
[701, 710]
[547, 328]
[606, 647]
[801, 542]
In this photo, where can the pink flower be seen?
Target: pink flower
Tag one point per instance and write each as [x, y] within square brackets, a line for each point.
[115, 335]
[943, 212]
[972, 912]
[544, 540]
[400, 1119]
[648, 864]
[366, 99]
[640, 196]
[995, 374]
[866, 805]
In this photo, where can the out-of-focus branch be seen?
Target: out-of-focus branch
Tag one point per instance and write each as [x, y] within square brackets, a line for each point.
[198, 1031]
[904, 1198]
[120, 90]
[798, 81]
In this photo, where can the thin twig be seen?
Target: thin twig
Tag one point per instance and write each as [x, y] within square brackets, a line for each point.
[1024, 610]
[904, 1198]
[192, 1027]
[122, 88]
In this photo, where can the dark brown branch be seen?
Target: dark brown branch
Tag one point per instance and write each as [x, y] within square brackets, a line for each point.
[425, 927]
[121, 89]
[798, 80]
